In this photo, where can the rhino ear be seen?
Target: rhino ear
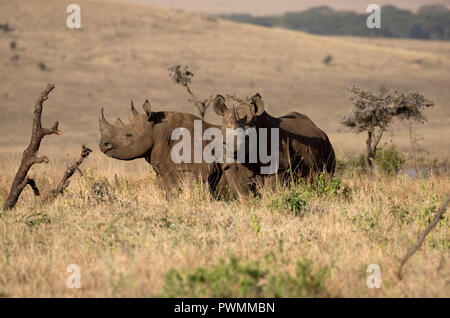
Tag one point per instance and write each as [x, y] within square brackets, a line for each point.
[219, 105]
[257, 104]
[147, 108]
[134, 112]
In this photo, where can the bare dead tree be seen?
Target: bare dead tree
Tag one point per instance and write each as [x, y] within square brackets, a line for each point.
[180, 74]
[64, 183]
[374, 113]
[29, 157]
[422, 237]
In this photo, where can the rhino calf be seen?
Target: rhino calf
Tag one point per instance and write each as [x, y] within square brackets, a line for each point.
[304, 150]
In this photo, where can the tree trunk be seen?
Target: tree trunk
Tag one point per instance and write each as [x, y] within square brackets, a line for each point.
[370, 151]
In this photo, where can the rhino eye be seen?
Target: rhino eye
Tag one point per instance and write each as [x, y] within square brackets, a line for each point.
[128, 135]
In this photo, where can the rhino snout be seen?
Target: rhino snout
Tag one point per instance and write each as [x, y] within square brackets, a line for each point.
[105, 146]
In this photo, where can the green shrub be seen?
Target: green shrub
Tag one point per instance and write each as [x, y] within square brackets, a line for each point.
[427, 214]
[225, 279]
[305, 283]
[296, 199]
[36, 219]
[366, 220]
[255, 224]
[389, 160]
[401, 213]
[293, 201]
[238, 278]
[356, 164]
[324, 185]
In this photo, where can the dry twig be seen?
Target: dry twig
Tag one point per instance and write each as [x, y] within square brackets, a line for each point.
[423, 236]
[180, 74]
[71, 170]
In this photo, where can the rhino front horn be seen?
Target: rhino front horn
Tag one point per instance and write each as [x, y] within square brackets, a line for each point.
[104, 125]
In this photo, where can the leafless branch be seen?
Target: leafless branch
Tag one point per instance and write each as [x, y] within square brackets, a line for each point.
[71, 170]
[180, 74]
[423, 236]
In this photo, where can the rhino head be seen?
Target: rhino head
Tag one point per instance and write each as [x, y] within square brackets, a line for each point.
[127, 141]
[244, 116]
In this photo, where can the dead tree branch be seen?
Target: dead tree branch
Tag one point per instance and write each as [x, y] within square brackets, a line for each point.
[180, 74]
[423, 236]
[29, 157]
[70, 171]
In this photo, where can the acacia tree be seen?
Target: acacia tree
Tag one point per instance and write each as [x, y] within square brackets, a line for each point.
[375, 112]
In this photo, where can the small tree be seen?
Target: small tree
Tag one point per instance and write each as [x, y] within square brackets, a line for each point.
[328, 59]
[375, 112]
[180, 74]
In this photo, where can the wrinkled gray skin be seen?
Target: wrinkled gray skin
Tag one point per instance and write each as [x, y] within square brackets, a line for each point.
[148, 136]
[303, 147]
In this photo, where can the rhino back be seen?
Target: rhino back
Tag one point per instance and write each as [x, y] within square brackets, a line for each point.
[301, 124]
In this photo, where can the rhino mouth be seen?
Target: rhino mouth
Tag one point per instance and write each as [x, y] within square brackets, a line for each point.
[106, 147]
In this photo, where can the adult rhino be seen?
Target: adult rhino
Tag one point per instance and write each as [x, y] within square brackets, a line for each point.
[304, 149]
[148, 136]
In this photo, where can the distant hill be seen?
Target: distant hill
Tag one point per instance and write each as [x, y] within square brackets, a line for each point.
[123, 51]
[430, 22]
[272, 7]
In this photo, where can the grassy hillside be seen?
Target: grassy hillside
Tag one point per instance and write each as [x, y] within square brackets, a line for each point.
[431, 22]
[123, 51]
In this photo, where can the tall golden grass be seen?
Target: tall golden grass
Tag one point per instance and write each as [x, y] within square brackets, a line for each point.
[127, 236]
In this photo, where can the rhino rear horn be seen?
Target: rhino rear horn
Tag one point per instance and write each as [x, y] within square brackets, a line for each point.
[119, 123]
[219, 105]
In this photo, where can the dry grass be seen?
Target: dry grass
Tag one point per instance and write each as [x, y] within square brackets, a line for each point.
[127, 243]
